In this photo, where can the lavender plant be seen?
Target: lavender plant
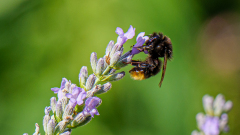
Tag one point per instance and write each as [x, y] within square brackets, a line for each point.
[215, 121]
[76, 106]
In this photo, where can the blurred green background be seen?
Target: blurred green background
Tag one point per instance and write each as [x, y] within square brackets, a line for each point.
[42, 41]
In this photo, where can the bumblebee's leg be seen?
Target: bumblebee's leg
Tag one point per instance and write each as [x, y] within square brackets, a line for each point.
[135, 63]
[144, 65]
[145, 47]
[141, 64]
[164, 68]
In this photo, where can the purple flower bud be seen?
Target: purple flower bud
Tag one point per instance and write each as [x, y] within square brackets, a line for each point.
[79, 118]
[47, 110]
[107, 86]
[104, 88]
[53, 103]
[90, 106]
[93, 61]
[68, 110]
[106, 60]
[211, 126]
[46, 118]
[83, 76]
[100, 67]
[59, 111]
[223, 122]
[91, 92]
[36, 130]
[116, 77]
[112, 71]
[119, 48]
[208, 104]
[61, 126]
[64, 102]
[77, 96]
[218, 104]
[129, 59]
[90, 82]
[109, 47]
[51, 127]
[66, 133]
[200, 120]
[115, 48]
[115, 58]
[141, 39]
[228, 106]
[64, 81]
[123, 62]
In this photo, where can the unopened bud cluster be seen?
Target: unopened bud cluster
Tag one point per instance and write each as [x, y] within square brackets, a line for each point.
[76, 106]
[216, 119]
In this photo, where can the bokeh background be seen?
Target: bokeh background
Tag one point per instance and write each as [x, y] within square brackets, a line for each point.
[42, 41]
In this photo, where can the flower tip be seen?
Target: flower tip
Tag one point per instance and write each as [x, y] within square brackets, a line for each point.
[119, 31]
[55, 90]
[83, 71]
[47, 110]
[130, 33]
[228, 106]
[141, 34]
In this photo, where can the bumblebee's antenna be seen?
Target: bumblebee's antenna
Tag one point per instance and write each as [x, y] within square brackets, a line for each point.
[164, 68]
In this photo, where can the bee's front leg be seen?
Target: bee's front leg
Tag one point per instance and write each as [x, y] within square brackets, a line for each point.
[145, 47]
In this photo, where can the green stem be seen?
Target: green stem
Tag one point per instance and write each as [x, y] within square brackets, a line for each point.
[97, 81]
[106, 70]
[99, 78]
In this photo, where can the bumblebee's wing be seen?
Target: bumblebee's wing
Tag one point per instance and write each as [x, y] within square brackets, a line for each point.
[164, 68]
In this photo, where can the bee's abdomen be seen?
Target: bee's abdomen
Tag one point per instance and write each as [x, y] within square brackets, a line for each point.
[137, 74]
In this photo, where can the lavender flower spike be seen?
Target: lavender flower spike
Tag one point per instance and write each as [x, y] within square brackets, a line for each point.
[76, 106]
[141, 39]
[215, 121]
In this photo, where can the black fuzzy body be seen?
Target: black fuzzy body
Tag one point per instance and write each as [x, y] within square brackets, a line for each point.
[158, 46]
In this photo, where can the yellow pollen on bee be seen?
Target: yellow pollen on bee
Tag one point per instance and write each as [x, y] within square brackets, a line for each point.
[137, 75]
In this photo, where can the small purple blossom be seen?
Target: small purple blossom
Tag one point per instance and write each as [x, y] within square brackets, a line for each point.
[141, 39]
[211, 126]
[123, 37]
[59, 90]
[77, 96]
[90, 106]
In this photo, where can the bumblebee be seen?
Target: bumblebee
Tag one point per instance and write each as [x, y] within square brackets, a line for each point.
[157, 46]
